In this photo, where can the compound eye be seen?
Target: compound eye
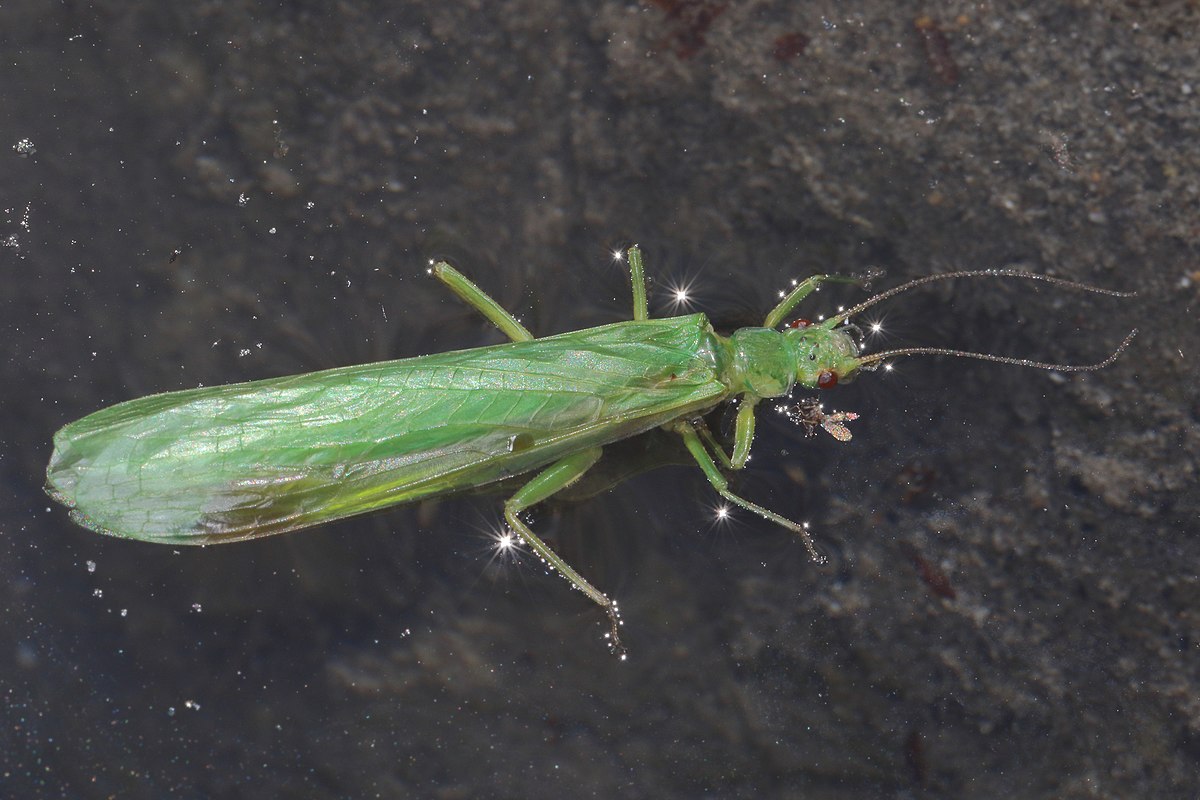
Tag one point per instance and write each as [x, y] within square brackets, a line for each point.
[826, 379]
[800, 323]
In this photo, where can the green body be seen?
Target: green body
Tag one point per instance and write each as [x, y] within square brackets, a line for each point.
[246, 460]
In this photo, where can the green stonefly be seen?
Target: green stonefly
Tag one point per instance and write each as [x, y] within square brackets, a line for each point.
[227, 463]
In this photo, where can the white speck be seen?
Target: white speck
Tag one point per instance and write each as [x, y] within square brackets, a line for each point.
[91, 566]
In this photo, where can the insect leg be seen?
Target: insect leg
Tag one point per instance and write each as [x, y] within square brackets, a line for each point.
[803, 290]
[743, 436]
[713, 445]
[479, 300]
[743, 433]
[555, 477]
[637, 276]
[696, 447]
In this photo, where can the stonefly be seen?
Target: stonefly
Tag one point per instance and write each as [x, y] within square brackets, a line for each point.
[226, 463]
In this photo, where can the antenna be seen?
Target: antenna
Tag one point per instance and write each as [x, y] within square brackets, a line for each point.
[871, 362]
[979, 273]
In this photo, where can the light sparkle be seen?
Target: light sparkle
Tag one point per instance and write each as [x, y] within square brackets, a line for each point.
[681, 294]
[503, 545]
[723, 517]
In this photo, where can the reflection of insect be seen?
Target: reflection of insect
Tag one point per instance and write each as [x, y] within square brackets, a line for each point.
[235, 462]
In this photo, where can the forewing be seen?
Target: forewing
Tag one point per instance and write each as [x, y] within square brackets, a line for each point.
[248, 460]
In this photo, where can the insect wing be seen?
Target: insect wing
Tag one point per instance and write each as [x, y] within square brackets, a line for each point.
[247, 460]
